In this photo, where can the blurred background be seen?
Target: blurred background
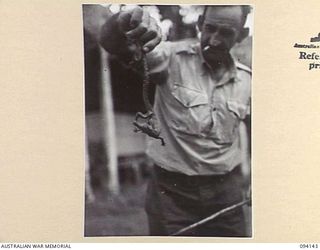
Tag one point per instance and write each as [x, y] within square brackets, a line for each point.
[117, 168]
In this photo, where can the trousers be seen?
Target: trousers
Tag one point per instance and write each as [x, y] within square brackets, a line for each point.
[175, 200]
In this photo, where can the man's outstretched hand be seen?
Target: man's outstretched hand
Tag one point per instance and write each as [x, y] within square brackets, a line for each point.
[137, 25]
[130, 32]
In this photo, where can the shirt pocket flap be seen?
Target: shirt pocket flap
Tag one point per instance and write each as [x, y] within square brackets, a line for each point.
[237, 108]
[189, 97]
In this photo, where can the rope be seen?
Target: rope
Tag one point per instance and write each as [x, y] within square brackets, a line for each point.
[146, 84]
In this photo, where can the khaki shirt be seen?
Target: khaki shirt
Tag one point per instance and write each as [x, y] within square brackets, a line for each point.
[199, 116]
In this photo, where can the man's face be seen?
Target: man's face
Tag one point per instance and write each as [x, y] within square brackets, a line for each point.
[221, 29]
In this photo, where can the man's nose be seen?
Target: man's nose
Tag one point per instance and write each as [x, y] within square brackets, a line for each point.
[214, 40]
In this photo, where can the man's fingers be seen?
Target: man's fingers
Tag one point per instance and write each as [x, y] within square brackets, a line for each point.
[136, 17]
[151, 44]
[142, 27]
[129, 20]
[146, 37]
[137, 32]
[138, 25]
[124, 21]
[152, 38]
[152, 32]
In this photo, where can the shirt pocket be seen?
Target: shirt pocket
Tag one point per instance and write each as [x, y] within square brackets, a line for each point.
[192, 110]
[226, 118]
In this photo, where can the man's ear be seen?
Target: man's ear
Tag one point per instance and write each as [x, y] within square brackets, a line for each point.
[200, 22]
[243, 34]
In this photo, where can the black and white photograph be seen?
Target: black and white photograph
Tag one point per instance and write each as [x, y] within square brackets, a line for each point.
[168, 120]
[160, 122]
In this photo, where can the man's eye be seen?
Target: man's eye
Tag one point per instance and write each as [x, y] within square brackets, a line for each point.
[227, 32]
[210, 28]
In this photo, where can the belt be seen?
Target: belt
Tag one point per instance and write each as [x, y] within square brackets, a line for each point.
[195, 180]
